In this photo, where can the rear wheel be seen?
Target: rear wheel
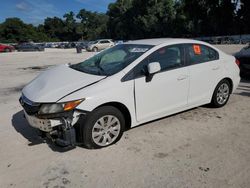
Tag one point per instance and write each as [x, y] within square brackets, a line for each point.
[221, 94]
[103, 127]
[95, 49]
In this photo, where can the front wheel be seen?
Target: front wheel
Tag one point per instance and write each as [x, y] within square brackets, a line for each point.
[95, 49]
[221, 94]
[103, 127]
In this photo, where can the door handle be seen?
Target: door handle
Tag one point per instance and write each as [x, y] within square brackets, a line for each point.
[215, 68]
[183, 77]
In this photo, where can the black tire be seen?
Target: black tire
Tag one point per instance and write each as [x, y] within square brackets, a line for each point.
[95, 49]
[92, 119]
[216, 103]
[7, 50]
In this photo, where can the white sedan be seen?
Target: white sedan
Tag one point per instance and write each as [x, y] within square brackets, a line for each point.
[95, 101]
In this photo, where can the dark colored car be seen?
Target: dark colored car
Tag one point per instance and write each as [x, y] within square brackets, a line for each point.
[82, 45]
[6, 48]
[67, 45]
[29, 47]
[70, 45]
[243, 57]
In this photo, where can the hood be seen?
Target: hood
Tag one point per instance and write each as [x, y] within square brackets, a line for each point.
[54, 84]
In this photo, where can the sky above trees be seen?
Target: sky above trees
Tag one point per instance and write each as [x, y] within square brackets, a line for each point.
[35, 11]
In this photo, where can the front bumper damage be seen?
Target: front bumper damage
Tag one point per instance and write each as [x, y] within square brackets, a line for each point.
[59, 127]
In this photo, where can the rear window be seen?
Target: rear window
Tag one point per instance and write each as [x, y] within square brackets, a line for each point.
[200, 54]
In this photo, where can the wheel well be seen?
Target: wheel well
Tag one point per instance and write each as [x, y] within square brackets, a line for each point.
[231, 83]
[124, 110]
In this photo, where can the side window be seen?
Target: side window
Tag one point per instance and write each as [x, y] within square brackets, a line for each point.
[104, 42]
[169, 57]
[200, 53]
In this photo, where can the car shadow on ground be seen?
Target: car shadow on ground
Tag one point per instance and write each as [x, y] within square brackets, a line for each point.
[243, 89]
[31, 134]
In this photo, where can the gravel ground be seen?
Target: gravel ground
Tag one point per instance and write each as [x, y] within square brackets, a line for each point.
[202, 147]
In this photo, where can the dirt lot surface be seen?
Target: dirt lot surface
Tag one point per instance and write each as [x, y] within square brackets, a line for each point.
[202, 147]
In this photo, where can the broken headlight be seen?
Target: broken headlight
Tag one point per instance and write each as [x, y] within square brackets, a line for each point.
[59, 107]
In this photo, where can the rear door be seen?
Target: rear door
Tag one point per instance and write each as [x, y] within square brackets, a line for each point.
[205, 72]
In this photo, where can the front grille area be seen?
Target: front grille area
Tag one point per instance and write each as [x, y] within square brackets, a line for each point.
[29, 107]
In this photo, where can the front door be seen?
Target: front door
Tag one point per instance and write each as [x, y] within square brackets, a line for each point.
[167, 91]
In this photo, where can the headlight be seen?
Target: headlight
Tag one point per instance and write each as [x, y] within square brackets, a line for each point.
[59, 107]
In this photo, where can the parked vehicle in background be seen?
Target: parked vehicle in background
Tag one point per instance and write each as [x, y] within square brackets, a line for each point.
[66, 45]
[245, 41]
[227, 40]
[60, 45]
[6, 48]
[94, 101]
[82, 44]
[243, 56]
[119, 42]
[70, 45]
[99, 45]
[24, 47]
[49, 45]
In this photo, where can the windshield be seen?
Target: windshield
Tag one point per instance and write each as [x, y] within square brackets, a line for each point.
[112, 60]
[93, 42]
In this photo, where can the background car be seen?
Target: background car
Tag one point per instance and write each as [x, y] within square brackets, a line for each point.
[6, 48]
[29, 47]
[117, 42]
[243, 57]
[82, 44]
[99, 45]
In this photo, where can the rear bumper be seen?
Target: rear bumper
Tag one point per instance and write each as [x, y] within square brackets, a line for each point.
[245, 70]
[236, 83]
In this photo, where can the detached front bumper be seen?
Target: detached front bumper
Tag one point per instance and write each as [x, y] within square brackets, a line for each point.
[60, 130]
[59, 127]
[48, 123]
[45, 125]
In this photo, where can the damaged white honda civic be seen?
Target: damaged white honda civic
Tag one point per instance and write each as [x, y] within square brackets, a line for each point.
[95, 101]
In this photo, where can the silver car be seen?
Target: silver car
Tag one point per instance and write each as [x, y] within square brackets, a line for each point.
[99, 45]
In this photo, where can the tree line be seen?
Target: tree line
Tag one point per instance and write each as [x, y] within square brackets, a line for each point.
[134, 19]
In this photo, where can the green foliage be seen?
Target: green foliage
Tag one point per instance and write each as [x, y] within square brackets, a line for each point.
[212, 17]
[92, 24]
[14, 30]
[244, 17]
[172, 18]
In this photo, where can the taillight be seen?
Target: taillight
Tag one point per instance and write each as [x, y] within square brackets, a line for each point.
[237, 62]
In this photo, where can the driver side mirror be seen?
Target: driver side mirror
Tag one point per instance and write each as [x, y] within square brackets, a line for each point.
[153, 68]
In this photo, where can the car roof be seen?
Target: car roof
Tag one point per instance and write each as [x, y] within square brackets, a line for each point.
[158, 41]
